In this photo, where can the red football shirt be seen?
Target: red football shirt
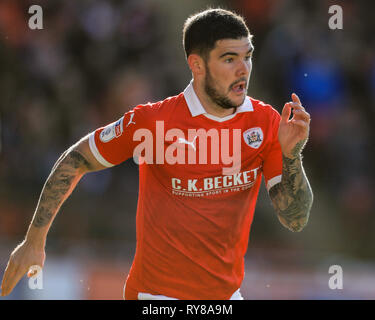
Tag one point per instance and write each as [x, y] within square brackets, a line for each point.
[199, 178]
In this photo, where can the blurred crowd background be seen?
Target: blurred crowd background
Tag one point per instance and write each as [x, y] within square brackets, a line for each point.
[95, 60]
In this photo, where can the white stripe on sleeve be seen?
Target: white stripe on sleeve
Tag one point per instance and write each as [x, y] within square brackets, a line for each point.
[96, 153]
[273, 181]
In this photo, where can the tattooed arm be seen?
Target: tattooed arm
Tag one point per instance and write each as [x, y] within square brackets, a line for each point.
[292, 198]
[64, 176]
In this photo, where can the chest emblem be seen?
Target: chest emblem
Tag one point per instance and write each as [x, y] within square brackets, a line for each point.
[253, 137]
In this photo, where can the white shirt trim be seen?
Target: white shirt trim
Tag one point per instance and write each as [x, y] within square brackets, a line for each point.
[96, 152]
[273, 181]
[196, 108]
[147, 296]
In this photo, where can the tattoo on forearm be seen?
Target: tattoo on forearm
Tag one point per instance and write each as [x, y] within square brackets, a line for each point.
[296, 152]
[292, 198]
[64, 176]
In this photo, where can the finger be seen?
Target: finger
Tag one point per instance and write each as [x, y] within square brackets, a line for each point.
[296, 99]
[8, 273]
[31, 273]
[300, 123]
[33, 270]
[285, 113]
[301, 115]
[20, 272]
[13, 279]
[296, 105]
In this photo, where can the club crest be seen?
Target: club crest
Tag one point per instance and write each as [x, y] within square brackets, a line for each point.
[253, 137]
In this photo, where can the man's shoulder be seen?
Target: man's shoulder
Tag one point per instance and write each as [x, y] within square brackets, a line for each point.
[161, 106]
[263, 107]
[259, 104]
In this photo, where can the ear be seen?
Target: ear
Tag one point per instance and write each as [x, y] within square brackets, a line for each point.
[196, 64]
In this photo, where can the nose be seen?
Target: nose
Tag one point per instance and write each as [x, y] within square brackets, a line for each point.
[244, 68]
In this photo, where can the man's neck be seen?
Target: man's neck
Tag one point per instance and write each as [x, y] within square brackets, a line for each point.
[209, 106]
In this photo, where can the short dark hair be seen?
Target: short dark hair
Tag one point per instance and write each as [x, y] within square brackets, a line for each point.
[203, 29]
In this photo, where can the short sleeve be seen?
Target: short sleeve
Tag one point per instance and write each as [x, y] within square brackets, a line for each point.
[114, 143]
[273, 162]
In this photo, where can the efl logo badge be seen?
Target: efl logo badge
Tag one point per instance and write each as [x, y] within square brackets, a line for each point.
[113, 130]
[118, 128]
[253, 137]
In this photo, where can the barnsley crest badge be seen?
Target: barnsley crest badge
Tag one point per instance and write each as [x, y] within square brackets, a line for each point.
[253, 137]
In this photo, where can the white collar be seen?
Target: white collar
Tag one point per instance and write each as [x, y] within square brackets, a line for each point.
[197, 109]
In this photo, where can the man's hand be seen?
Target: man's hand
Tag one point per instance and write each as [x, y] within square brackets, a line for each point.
[292, 198]
[22, 258]
[293, 133]
[65, 174]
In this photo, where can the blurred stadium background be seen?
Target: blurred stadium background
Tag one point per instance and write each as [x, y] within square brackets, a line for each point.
[95, 59]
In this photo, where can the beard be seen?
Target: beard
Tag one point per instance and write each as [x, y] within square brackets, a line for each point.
[220, 99]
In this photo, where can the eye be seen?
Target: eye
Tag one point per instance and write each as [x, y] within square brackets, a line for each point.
[229, 60]
[247, 58]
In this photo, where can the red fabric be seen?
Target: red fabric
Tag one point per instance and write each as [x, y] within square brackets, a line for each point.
[191, 242]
